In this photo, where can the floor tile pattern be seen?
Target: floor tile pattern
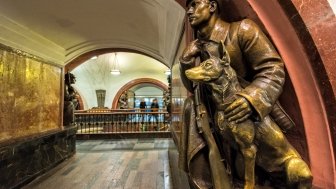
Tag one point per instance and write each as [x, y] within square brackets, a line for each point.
[115, 164]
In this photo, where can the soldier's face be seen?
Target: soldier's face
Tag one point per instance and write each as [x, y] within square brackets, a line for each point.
[72, 80]
[198, 12]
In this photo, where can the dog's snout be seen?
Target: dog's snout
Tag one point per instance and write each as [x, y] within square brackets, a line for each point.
[189, 74]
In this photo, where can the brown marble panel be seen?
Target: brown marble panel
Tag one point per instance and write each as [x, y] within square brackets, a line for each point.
[30, 93]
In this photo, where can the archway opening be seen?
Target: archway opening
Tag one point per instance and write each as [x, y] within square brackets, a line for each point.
[146, 88]
[94, 74]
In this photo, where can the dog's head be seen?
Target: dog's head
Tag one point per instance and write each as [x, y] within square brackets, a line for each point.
[212, 68]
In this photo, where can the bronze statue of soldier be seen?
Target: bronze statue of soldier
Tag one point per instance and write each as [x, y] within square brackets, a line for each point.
[260, 72]
[70, 101]
[123, 101]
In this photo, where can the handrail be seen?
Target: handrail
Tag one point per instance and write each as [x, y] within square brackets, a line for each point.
[121, 121]
[122, 110]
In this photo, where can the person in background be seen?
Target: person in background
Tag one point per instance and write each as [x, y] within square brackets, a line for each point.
[142, 109]
[154, 109]
[143, 105]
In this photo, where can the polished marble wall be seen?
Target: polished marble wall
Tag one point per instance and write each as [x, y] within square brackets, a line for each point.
[30, 95]
[32, 139]
[22, 161]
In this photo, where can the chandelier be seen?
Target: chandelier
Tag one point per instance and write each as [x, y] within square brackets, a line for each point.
[115, 66]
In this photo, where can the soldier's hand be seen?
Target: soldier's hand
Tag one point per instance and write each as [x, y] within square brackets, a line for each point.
[238, 111]
[191, 51]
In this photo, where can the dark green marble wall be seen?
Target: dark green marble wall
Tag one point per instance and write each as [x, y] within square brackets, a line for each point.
[22, 161]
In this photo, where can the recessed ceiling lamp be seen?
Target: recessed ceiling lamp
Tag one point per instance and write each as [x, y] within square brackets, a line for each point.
[167, 72]
[115, 66]
[94, 57]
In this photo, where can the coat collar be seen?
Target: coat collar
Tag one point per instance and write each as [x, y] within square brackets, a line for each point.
[219, 32]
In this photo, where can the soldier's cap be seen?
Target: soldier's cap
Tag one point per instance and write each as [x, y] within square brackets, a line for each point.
[219, 3]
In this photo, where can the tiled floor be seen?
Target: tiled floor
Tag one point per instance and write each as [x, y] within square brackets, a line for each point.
[117, 164]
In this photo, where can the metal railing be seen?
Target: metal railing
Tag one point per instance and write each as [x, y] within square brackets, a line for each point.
[105, 121]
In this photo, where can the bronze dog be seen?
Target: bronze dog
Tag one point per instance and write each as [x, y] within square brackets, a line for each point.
[262, 142]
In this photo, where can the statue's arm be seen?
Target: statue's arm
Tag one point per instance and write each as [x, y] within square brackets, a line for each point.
[267, 65]
[183, 67]
[187, 61]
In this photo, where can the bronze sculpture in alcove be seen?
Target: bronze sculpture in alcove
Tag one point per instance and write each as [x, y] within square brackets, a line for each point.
[256, 66]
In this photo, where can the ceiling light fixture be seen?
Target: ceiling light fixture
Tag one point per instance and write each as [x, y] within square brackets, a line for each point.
[115, 66]
[94, 57]
[167, 72]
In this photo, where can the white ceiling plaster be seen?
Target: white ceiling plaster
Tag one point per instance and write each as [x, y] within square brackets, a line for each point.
[61, 30]
[95, 74]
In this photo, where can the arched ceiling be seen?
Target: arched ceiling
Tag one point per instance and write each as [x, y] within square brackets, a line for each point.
[61, 30]
[94, 74]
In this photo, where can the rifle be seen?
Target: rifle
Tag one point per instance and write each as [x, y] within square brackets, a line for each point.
[220, 178]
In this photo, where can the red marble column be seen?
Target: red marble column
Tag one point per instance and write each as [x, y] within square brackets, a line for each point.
[320, 21]
[305, 78]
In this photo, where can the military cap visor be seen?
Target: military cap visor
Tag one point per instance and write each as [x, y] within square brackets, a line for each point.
[217, 1]
[188, 1]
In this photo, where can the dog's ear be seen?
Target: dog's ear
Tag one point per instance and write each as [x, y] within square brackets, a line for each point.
[223, 54]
